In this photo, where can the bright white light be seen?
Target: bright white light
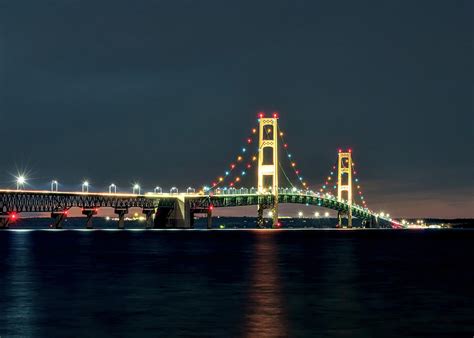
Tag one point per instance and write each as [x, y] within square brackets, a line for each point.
[20, 181]
[382, 214]
[300, 214]
[316, 214]
[326, 214]
[136, 186]
[270, 214]
[85, 186]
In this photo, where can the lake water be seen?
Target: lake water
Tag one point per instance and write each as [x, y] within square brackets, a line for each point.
[237, 283]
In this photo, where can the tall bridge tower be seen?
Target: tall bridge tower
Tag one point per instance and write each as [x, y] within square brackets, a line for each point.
[268, 165]
[344, 184]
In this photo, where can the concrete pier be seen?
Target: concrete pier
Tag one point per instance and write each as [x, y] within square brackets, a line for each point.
[149, 212]
[58, 219]
[89, 214]
[121, 212]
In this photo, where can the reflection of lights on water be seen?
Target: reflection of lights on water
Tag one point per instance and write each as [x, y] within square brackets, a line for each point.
[265, 314]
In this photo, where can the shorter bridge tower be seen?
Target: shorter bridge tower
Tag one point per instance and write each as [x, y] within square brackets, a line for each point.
[344, 184]
[268, 166]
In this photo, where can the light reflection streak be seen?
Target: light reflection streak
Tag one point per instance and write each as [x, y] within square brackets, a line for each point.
[265, 313]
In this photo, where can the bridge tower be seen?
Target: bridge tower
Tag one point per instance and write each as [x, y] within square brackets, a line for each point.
[268, 166]
[344, 184]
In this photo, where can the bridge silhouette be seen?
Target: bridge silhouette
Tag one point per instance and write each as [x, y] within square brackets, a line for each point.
[178, 210]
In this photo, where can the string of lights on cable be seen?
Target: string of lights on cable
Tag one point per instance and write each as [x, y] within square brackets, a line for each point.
[293, 163]
[234, 166]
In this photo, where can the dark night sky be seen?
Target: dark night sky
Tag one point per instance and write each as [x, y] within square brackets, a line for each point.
[165, 92]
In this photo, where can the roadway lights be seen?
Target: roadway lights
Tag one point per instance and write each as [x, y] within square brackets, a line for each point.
[20, 182]
[158, 190]
[85, 186]
[136, 188]
[112, 189]
[54, 185]
[326, 214]
[300, 214]
[270, 214]
[316, 214]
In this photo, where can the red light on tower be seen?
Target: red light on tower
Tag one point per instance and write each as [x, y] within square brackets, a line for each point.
[275, 115]
[349, 150]
[261, 115]
[339, 150]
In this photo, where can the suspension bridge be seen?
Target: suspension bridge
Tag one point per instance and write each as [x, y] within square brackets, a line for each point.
[177, 210]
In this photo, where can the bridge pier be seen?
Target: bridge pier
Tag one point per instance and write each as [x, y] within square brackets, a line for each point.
[89, 214]
[58, 219]
[4, 220]
[260, 219]
[340, 217]
[162, 217]
[121, 212]
[148, 212]
[209, 217]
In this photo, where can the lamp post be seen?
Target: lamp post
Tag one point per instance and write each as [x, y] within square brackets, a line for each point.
[85, 186]
[112, 189]
[54, 185]
[136, 189]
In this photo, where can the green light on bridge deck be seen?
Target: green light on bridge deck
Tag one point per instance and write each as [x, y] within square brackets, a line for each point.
[222, 226]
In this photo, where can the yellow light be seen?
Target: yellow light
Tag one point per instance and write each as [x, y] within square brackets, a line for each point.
[254, 158]
[281, 133]
[293, 164]
[237, 179]
[254, 131]
[304, 183]
[269, 130]
[239, 158]
[135, 214]
[329, 178]
[221, 179]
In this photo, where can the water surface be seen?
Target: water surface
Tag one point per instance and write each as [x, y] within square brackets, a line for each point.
[242, 283]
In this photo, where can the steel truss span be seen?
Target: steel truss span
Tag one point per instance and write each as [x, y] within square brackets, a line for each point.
[178, 210]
